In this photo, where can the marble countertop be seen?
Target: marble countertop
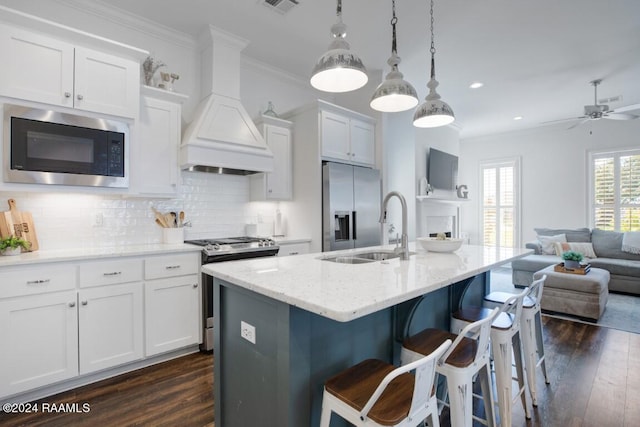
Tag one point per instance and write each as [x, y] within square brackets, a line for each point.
[79, 254]
[344, 292]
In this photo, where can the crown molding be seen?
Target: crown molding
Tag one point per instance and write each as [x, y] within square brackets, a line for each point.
[275, 71]
[134, 22]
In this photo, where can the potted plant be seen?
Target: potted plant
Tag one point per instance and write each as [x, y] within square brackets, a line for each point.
[13, 245]
[571, 259]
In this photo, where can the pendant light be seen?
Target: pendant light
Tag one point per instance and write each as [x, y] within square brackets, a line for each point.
[339, 69]
[394, 93]
[433, 112]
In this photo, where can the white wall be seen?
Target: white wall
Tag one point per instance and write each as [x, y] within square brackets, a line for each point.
[554, 171]
[405, 160]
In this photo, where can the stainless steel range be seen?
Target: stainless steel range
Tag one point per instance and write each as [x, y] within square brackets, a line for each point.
[226, 249]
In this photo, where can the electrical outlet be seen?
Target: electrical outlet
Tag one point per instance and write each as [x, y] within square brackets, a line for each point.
[248, 332]
[98, 220]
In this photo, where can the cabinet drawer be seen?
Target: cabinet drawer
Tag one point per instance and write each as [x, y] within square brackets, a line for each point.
[171, 265]
[17, 281]
[110, 272]
[293, 249]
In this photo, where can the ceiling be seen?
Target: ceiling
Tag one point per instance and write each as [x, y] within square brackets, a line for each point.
[535, 58]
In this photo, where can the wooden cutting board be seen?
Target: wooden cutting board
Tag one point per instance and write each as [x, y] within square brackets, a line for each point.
[19, 224]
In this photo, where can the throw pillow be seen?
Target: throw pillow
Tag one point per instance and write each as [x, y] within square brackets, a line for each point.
[586, 249]
[548, 243]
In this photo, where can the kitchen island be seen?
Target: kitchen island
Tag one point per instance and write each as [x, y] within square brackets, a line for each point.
[284, 325]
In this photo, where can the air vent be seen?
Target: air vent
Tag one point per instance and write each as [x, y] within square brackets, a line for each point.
[608, 100]
[280, 6]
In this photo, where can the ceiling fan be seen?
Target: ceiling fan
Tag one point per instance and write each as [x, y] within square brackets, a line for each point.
[600, 111]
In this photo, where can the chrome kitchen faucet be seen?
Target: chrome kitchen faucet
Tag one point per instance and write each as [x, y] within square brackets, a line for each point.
[403, 250]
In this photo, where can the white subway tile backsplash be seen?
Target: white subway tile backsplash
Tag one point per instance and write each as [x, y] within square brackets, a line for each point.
[216, 205]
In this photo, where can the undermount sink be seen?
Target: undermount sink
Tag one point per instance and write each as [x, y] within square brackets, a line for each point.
[364, 257]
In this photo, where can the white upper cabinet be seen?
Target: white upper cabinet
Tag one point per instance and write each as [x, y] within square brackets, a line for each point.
[347, 139]
[155, 170]
[335, 136]
[106, 83]
[362, 142]
[51, 71]
[276, 185]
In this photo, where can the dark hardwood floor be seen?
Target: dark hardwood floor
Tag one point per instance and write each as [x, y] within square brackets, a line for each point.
[594, 373]
[174, 393]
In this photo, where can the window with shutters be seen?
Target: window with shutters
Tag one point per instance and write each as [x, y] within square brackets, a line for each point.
[615, 190]
[500, 217]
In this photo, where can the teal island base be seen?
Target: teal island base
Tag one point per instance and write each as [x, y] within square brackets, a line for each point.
[272, 358]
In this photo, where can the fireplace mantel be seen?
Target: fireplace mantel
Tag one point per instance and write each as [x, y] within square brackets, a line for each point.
[441, 199]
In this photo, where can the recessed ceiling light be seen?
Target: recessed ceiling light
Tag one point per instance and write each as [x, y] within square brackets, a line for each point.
[476, 85]
[517, 118]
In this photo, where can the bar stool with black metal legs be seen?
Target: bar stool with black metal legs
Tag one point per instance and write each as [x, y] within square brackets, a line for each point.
[467, 357]
[532, 341]
[375, 393]
[505, 345]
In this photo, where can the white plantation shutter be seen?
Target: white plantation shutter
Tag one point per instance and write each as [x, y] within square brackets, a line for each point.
[615, 190]
[630, 192]
[500, 203]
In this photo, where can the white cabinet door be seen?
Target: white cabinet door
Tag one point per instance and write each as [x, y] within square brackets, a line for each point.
[36, 68]
[335, 136]
[106, 83]
[276, 185]
[155, 162]
[110, 326]
[363, 143]
[39, 335]
[279, 184]
[172, 313]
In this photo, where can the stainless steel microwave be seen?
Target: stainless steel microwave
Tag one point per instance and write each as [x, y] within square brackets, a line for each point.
[50, 147]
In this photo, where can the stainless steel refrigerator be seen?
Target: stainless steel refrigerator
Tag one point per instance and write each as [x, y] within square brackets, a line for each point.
[351, 197]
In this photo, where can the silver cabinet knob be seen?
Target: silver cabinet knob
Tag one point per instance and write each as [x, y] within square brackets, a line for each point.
[195, 285]
[84, 302]
[67, 94]
[72, 304]
[80, 97]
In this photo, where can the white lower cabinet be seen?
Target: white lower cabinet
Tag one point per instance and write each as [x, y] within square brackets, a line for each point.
[171, 313]
[39, 336]
[172, 302]
[110, 326]
[62, 320]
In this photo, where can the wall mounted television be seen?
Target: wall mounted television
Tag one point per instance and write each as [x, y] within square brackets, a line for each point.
[442, 170]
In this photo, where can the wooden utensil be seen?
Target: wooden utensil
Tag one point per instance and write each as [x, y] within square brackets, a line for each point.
[168, 219]
[181, 219]
[19, 224]
[160, 219]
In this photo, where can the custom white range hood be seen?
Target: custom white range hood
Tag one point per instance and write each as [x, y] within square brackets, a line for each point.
[222, 138]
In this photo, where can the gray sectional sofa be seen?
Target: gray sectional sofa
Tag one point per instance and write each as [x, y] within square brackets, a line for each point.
[623, 267]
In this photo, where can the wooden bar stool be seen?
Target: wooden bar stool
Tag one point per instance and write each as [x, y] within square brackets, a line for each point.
[532, 342]
[375, 393]
[467, 356]
[505, 342]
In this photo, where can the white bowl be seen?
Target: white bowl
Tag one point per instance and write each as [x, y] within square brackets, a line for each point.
[434, 245]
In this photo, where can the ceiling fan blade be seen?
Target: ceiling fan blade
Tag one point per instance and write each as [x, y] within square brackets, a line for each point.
[620, 116]
[633, 107]
[578, 124]
[563, 120]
